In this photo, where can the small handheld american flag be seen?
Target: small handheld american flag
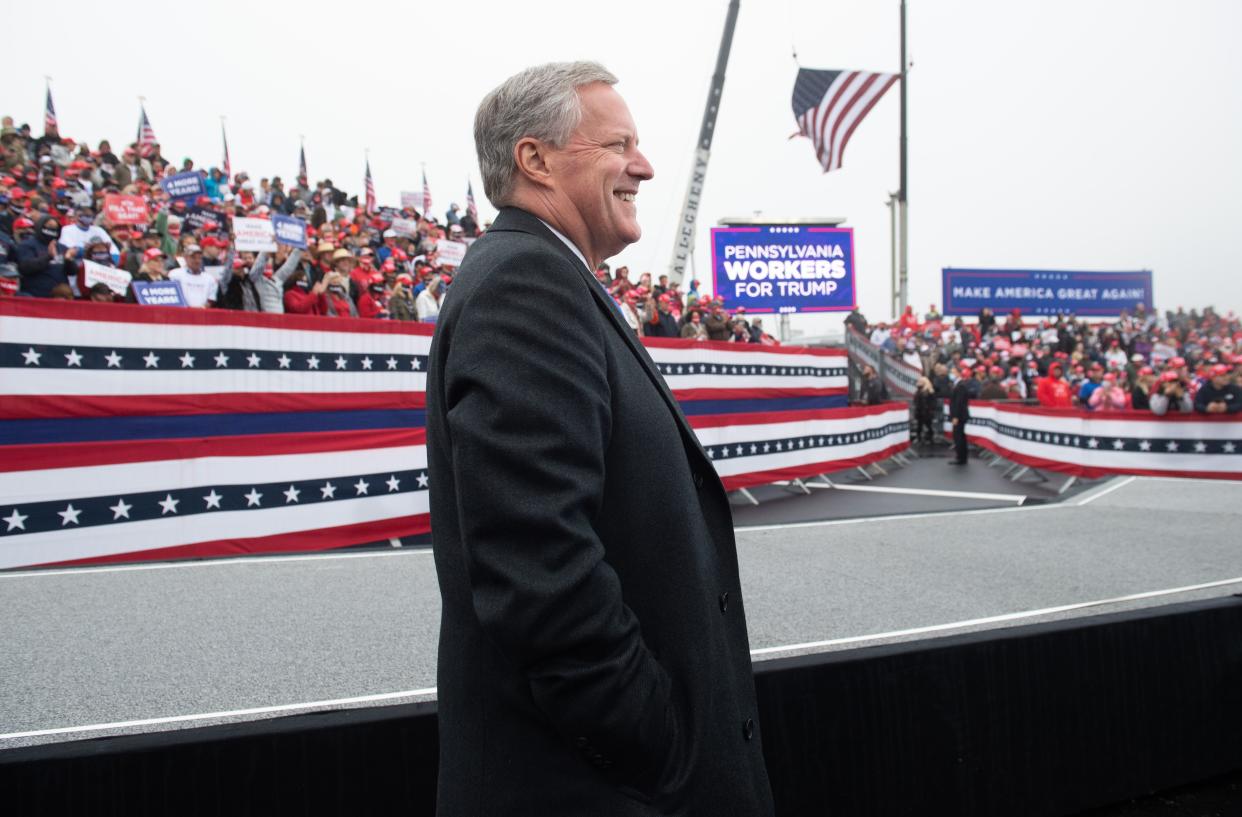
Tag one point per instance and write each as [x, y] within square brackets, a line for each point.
[146, 136]
[829, 105]
[49, 115]
[370, 205]
[471, 209]
[426, 196]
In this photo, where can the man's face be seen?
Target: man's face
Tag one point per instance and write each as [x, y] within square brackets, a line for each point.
[194, 262]
[595, 176]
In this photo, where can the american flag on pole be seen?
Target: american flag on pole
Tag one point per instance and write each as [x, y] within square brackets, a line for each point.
[49, 115]
[146, 136]
[228, 167]
[426, 196]
[370, 205]
[829, 105]
[302, 163]
[471, 209]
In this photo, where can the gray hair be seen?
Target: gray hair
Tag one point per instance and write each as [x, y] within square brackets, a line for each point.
[541, 102]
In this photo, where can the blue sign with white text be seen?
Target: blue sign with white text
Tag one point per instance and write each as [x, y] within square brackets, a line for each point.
[289, 230]
[784, 268]
[187, 185]
[1045, 292]
[159, 293]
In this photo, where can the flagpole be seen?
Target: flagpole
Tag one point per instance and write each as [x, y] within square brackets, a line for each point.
[903, 190]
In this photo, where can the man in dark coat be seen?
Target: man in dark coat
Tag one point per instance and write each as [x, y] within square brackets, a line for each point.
[593, 654]
[959, 411]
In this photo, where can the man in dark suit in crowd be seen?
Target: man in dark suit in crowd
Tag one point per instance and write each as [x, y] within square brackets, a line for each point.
[959, 411]
[593, 652]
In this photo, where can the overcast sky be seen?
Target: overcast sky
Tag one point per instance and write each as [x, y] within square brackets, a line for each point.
[1061, 134]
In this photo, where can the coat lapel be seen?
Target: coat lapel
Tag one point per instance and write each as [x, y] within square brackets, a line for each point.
[511, 218]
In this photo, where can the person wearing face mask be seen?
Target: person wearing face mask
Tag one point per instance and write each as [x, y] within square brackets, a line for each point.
[83, 230]
[43, 263]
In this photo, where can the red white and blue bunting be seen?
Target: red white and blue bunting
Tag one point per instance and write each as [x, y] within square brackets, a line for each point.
[146, 433]
[1091, 445]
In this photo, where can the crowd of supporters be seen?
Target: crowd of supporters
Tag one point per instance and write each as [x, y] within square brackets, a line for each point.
[1181, 362]
[52, 218]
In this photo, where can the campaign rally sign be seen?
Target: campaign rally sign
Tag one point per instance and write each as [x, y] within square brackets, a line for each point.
[450, 253]
[184, 185]
[411, 201]
[1044, 292]
[253, 235]
[290, 230]
[159, 293]
[405, 227]
[784, 268]
[116, 280]
[122, 209]
[200, 218]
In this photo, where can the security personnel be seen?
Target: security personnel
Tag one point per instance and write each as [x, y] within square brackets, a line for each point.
[959, 411]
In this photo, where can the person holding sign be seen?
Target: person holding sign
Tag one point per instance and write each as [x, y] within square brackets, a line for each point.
[43, 263]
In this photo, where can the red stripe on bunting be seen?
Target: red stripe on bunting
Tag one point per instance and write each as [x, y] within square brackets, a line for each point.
[1137, 416]
[748, 348]
[810, 470]
[1087, 472]
[46, 406]
[764, 418]
[297, 542]
[84, 454]
[134, 313]
[753, 394]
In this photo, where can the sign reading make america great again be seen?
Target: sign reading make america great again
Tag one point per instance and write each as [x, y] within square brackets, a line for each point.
[1045, 292]
[784, 268]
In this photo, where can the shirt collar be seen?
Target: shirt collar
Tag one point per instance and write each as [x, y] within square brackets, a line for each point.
[569, 244]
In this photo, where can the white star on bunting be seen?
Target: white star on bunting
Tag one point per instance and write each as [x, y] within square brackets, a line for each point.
[328, 490]
[114, 360]
[168, 504]
[252, 498]
[187, 361]
[1119, 444]
[17, 521]
[72, 358]
[222, 360]
[366, 363]
[361, 486]
[392, 362]
[213, 499]
[393, 483]
[1200, 446]
[422, 480]
[253, 360]
[291, 495]
[152, 360]
[121, 508]
[341, 362]
[312, 362]
[32, 359]
[69, 514]
[283, 360]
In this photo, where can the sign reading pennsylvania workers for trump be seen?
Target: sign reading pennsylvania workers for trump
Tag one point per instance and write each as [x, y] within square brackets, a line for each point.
[784, 268]
[253, 235]
[1044, 292]
[290, 230]
[187, 185]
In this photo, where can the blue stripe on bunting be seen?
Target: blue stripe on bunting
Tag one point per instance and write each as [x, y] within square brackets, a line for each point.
[102, 429]
[694, 408]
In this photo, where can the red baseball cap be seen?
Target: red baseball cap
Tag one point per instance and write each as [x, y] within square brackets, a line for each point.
[154, 252]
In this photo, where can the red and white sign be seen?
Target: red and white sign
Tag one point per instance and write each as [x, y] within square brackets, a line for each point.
[450, 253]
[253, 235]
[117, 280]
[122, 209]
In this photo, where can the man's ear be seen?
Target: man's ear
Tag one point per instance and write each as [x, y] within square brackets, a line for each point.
[531, 157]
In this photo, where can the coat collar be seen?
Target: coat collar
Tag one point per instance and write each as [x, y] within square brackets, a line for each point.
[514, 220]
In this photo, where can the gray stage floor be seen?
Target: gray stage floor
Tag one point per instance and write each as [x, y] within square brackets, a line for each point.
[102, 651]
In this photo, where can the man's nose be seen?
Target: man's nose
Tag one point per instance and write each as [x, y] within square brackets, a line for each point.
[641, 168]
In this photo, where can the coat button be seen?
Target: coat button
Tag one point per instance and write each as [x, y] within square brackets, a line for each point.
[724, 601]
[748, 729]
[698, 480]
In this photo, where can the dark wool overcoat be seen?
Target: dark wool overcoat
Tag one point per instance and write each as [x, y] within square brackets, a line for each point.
[593, 650]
